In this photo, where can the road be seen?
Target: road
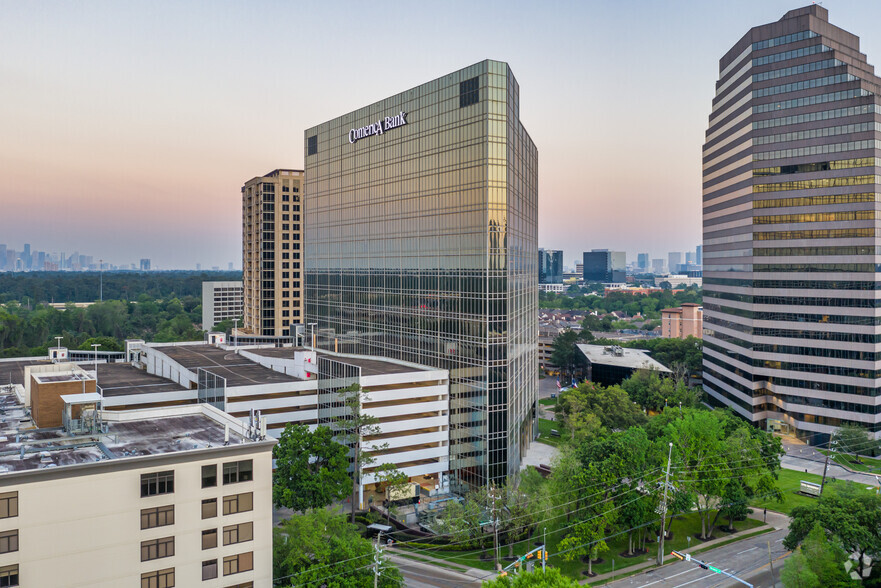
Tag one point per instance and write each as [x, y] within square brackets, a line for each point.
[423, 575]
[747, 559]
[801, 457]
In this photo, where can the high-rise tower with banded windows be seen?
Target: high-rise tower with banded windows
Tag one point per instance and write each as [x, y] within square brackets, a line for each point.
[791, 261]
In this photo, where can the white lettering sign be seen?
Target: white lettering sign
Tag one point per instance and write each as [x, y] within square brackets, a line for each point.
[379, 127]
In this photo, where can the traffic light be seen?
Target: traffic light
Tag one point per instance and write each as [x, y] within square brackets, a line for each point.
[703, 566]
[677, 555]
[538, 554]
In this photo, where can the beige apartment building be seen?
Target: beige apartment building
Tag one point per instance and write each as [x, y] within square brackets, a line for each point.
[171, 496]
[272, 240]
[685, 321]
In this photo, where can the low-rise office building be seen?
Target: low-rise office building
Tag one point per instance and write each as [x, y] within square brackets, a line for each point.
[610, 365]
[172, 496]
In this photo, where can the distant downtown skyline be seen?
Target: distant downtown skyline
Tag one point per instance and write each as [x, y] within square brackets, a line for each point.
[136, 140]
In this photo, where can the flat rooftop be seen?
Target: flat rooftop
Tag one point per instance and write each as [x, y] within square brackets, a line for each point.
[237, 370]
[369, 367]
[171, 430]
[121, 379]
[620, 357]
[13, 371]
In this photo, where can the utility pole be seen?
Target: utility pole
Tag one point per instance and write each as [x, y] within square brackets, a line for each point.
[663, 509]
[771, 561]
[495, 524]
[825, 468]
[376, 559]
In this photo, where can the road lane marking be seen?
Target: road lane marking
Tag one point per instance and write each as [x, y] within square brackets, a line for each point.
[745, 550]
[693, 581]
[680, 573]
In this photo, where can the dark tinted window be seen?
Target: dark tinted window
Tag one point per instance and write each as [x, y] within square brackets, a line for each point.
[469, 92]
[312, 147]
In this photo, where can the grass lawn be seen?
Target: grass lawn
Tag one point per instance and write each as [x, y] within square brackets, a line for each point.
[789, 482]
[682, 528]
[548, 401]
[870, 465]
[544, 429]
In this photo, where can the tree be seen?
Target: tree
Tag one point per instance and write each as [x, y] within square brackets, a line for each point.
[733, 503]
[850, 438]
[612, 405]
[310, 468]
[392, 481]
[818, 562]
[710, 449]
[320, 548]
[565, 353]
[549, 578]
[665, 285]
[852, 517]
[797, 573]
[351, 428]
[106, 343]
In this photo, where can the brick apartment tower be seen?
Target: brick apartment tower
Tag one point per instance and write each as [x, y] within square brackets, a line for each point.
[272, 239]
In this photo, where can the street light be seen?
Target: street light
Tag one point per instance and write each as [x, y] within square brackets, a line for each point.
[313, 325]
[95, 346]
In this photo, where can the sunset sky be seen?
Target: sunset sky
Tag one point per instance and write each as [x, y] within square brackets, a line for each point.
[128, 128]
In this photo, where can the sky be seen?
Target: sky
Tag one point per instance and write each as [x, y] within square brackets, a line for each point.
[128, 128]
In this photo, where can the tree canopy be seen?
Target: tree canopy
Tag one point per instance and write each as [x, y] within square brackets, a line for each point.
[850, 517]
[310, 468]
[320, 547]
[549, 578]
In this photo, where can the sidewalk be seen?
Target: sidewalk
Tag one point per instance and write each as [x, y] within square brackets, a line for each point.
[776, 520]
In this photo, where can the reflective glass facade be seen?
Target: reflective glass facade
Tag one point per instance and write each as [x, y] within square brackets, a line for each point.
[550, 266]
[791, 221]
[421, 245]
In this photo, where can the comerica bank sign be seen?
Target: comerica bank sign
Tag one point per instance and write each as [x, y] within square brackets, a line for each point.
[379, 127]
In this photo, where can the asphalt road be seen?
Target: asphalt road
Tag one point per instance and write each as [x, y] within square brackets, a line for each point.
[803, 457]
[422, 575]
[747, 559]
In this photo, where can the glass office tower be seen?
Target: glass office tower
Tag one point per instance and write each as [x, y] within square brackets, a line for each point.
[550, 266]
[792, 334]
[421, 245]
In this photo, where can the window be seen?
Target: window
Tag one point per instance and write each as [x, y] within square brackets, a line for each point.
[312, 145]
[157, 579]
[238, 471]
[238, 533]
[209, 538]
[9, 541]
[209, 569]
[243, 585]
[157, 483]
[209, 476]
[238, 503]
[469, 92]
[157, 517]
[209, 508]
[9, 576]
[234, 564]
[8, 505]
[157, 548]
